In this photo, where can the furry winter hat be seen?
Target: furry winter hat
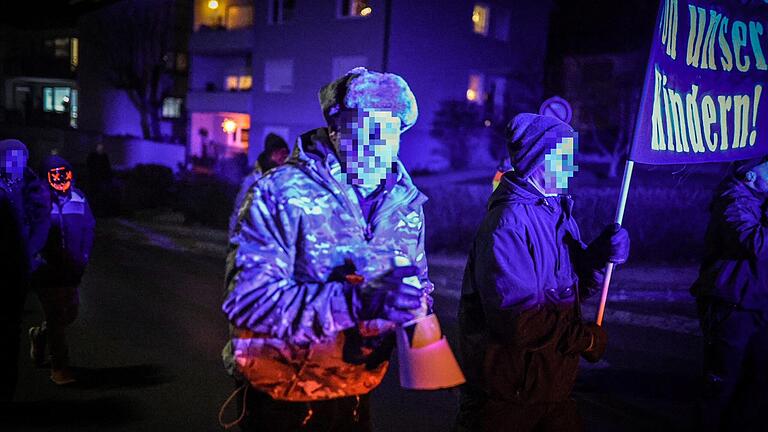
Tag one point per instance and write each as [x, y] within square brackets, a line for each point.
[530, 137]
[361, 88]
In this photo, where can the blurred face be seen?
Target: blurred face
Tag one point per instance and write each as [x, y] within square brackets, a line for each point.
[558, 168]
[279, 156]
[368, 141]
[15, 162]
[760, 183]
[60, 179]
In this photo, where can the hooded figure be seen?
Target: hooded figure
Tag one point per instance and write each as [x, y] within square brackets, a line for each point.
[65, 255]
[24, 208]
[732, 297]
[313, 294]
[521, 332]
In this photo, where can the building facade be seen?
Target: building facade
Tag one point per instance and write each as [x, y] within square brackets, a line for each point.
[256, 65]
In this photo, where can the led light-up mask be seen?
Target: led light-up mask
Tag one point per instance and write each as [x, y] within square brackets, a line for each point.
[14, 164]
[60, 179]
[559, 165]
[369, 140]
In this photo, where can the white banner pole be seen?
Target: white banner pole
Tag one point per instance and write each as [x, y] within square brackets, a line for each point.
[618, 219]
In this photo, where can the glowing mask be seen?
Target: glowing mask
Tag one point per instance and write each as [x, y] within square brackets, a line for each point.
[60, 178]
[368, 145]
[559, 165]
[14, 163]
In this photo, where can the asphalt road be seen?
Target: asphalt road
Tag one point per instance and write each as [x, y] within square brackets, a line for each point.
[147, 341]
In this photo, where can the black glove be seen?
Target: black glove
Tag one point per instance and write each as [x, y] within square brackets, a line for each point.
[611, 245]
[387, 297]
[598, 343]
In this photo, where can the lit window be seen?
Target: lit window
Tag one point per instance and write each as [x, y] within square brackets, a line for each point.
[231, 82]
[56, 99]
[172, 107]
[281, 11]
[244, 82]
[278, 76]
[239, 16]
[355, 8]
[475, 88]
[480, 18]
[61, 47]
[342, 65]
[73, 109]
[74, 53]
[238, 82]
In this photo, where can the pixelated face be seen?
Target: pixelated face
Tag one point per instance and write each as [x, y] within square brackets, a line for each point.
[60, 179]
[369, 140]
[559, 164]
[15, 162]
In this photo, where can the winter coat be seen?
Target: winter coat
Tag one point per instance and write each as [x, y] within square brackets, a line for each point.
[519, 315]
[68, 248]
[294, 335]
[735, 266]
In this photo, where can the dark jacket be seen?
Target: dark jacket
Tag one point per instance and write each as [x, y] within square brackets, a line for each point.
[68, 247]
[520, 323]
[735, 266]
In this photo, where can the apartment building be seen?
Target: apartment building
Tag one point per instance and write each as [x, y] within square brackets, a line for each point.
[256, 65]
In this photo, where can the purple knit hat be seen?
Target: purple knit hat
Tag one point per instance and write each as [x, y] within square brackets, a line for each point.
[530, 137]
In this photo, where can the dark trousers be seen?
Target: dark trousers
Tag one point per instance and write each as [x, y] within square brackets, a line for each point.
[264, 414]
[60, 304]
[735, 393]
[477, 413]
[11, 311]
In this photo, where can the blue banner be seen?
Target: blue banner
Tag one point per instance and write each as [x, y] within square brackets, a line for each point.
[703, 95]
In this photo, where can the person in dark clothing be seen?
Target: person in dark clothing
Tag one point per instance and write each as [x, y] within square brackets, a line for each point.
[99, 180]
[66, 254]
[732, 298]
[520, 325]
[23, 223]
[275, 153]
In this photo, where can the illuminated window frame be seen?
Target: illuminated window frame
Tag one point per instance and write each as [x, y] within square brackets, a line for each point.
[172, 107]
[238, 82]
[481, 19]
[352, 9]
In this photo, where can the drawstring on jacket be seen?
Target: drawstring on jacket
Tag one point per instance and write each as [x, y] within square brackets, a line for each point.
[244, 389]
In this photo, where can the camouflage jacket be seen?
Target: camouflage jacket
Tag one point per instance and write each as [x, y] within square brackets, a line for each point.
[294, 336]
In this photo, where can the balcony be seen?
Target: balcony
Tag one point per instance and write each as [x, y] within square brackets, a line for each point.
[221, 41]
[220, 101]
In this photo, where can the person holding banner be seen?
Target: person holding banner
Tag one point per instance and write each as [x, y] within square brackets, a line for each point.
[732, 298]
[520, 325]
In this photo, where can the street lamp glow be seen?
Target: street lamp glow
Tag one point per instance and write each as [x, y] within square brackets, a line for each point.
[229, 126]
[471, 95]
[366, 11]
[213, 4]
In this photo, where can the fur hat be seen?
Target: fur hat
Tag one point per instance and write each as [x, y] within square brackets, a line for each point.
[530, 137]
[361, 88]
